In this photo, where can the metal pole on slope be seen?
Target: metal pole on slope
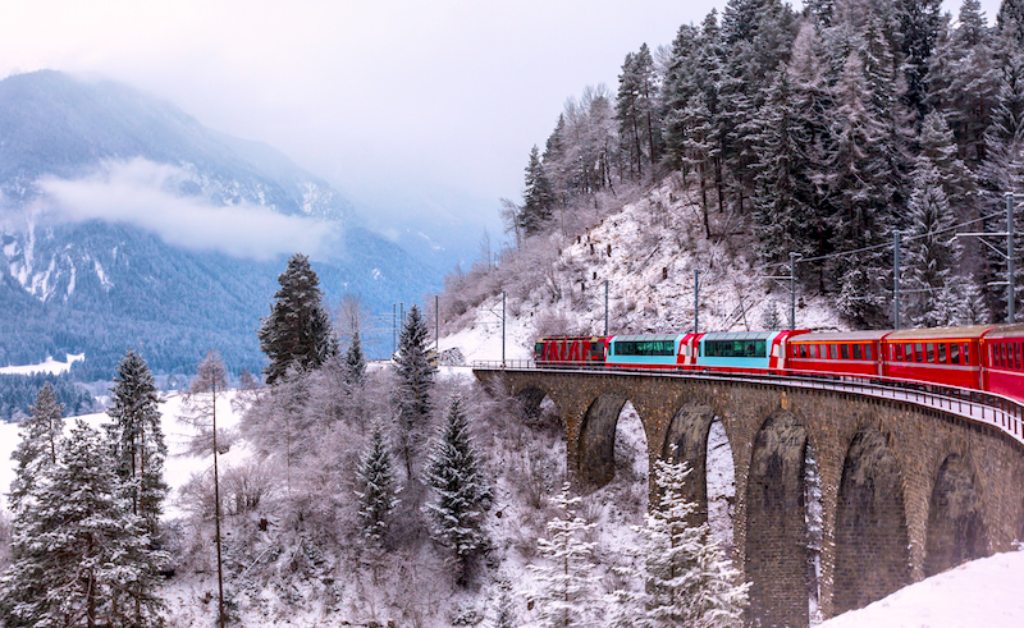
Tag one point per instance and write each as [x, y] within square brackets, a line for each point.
[503, 329]
[1011, 297]
[437, 325]
[605, 307]
[394, 328]
[896, 279]
[792, 289]
[696, 301]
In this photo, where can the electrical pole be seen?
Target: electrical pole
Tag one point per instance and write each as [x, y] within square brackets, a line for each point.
[605, 307]
[394, 329]
[437, 325]
[1011, 296]
[503, 329]
[696, 301]
[896, 279]
[792, 289]
[216, 508]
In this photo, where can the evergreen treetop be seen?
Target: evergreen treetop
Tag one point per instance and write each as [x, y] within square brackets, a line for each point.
[38, 448]
[297, 333]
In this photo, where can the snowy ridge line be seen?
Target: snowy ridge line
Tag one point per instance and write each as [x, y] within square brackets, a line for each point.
[1002, 413]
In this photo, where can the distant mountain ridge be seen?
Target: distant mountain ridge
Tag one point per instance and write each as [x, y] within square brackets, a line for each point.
[100, 287]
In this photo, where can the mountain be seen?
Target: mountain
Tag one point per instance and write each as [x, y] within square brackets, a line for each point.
[85, 279]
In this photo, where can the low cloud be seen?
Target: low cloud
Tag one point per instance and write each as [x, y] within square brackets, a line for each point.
[147, 195]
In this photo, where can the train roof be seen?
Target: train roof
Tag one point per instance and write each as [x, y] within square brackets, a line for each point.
[646, 337]
[1006, 331]
[972, 331]
[591, 338]
[841, 336]
[739, 335]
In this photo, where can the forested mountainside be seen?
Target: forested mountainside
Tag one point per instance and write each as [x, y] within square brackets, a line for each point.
[154, 272]
[822, 133]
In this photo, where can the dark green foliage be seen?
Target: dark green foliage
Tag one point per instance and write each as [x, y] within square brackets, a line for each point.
[80, 556]
[137, 440]
[376, 489]
[460, 495]
[37, 450]
[18, 392]
[297, 333]
[415, 380]
[355, 362]
[537, 197]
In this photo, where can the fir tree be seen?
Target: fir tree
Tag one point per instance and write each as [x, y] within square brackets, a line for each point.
[688, 579]
[37, 449]
[415, 375]
[932, 251]
[376, 489]
[137, 439]
[460, 493]
[565, 578]
[938, 146]
[82, 558]
[537, 197]
[505, 615]
[1010, 21]
[919, 24]
[355, 362]
[297, 333]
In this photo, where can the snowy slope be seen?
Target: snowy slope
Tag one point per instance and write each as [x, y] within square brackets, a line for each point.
[49, 365]
[984, 592]
[647, 252]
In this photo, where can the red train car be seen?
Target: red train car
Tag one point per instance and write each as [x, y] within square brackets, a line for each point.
[840, 353]
[950, 356]
[571, 351]
[1002, 357]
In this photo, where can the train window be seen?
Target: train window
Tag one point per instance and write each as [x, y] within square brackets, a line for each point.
[856, 352]
[966, 353]
[833, 352]
[867, 352]
[919, 352]
[943, 352]
[803, 351]
[929, 350]
[844, 351]
[645, 347]
[954, 353]
[736, 348]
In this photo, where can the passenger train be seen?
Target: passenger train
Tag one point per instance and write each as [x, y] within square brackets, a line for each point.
[983, 357]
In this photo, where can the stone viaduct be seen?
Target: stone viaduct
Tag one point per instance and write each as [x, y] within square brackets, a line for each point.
[906, 491]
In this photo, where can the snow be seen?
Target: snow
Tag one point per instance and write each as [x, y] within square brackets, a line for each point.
[49, 366]
[101, 273]
[178, 468]
[984, 592]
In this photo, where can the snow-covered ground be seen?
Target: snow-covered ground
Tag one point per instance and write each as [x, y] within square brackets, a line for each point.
[984, 592]
[49, 365]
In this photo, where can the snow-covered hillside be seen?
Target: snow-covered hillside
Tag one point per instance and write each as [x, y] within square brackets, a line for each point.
[984, 592]
[49, 365]
[647, 252]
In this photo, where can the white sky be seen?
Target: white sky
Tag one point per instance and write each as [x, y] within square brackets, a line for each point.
[403, 104]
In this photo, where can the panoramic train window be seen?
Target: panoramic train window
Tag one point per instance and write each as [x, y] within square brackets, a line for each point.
[735, 348]
[645, 347]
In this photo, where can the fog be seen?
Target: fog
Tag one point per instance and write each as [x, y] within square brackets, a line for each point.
[416, 110]
[146, 195]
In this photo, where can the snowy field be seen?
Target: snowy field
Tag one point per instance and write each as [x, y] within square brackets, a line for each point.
[49, 365]
[985, 592]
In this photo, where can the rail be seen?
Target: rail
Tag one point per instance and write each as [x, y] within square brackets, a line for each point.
[1004, 413]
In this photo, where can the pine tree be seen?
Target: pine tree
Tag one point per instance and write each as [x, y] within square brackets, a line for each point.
[415, 379]
[677, 90]
[938, 146]
[355, 362]
[297, 333]
[566, 580]
[505, 615]
[460, 493]
[81, 557]
[919, 24]
[861, 185]
[37, 449]
[537, 197]
[932, 251]
[688, 579]
[137, 439]
[1010, 21]
[376, 489]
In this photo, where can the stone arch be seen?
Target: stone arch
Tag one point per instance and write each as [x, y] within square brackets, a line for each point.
[871, 537]
[686, 440]
[956, 529]
[531, 399]
[776, 539]
[595, 457]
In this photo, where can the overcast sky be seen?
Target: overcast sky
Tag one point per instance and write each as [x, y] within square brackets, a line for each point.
[405, 105]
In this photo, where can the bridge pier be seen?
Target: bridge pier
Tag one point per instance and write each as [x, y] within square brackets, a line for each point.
[905, 490]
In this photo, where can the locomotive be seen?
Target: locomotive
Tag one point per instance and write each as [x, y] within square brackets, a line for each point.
[980, 357]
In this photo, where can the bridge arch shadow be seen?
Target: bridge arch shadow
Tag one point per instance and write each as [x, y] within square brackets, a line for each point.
[782, 493]
[872, 555]
[956, 529]
[536, 405]
[697, 436]
[599, 450]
